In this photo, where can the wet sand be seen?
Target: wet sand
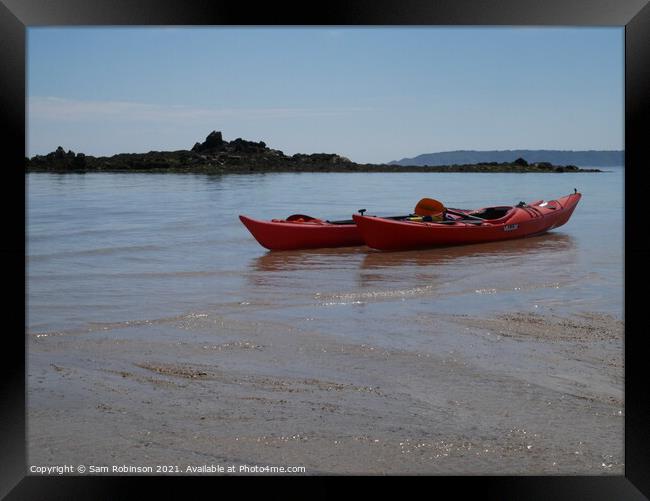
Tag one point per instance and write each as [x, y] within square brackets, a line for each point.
[515, 394]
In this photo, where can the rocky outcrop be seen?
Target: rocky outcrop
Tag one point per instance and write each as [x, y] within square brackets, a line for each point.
[214, 142]
[59, 160]
[215, 155]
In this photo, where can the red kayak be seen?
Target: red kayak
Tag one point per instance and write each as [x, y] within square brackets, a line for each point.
[468, 227]
[303, 232]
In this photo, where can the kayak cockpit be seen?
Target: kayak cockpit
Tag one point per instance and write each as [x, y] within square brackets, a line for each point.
[492, 213]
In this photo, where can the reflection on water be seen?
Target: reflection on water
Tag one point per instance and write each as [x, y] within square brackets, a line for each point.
[506, 265]
[368, 258]
[550, 242]
[360, 275]
[307, 259]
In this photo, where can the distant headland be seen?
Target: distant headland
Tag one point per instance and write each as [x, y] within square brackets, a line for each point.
[581, 158]
[215, 155]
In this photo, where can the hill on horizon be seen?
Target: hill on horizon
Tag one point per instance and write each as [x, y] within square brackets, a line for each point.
[580, 158]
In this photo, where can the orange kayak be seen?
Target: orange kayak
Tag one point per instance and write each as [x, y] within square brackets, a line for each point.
[481, 225]
[302, 232]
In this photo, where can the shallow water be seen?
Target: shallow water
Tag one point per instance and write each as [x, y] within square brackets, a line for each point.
[128, 247]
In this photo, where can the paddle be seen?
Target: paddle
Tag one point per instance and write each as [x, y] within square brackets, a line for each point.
[429, 207]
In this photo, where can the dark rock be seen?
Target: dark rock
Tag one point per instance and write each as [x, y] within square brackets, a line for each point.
[242, 146]
[214, 141]
[79, 162]
[520, 161]
[320, 158]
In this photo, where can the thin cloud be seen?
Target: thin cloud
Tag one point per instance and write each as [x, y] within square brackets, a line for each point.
[72, 110]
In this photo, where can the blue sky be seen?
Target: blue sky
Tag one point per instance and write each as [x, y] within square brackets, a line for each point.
[371, 94]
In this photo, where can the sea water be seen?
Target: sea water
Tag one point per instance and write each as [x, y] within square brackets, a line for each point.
[120, 248]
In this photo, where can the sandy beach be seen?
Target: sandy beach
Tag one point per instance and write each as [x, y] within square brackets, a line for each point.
[515, 394]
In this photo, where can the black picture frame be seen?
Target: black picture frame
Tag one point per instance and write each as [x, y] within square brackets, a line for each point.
[634, 15]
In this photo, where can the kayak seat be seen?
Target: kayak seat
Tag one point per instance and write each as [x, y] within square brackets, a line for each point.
[297, 218]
